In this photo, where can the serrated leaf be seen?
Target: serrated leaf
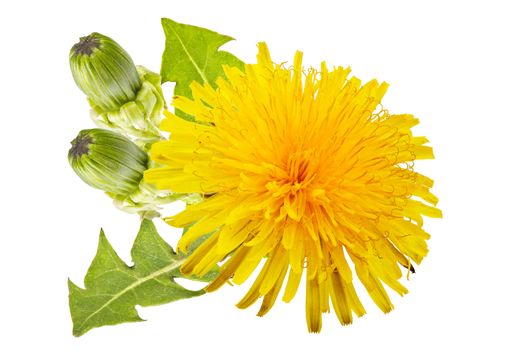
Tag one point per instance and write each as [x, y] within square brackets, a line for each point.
[113, 289]
[192, 54]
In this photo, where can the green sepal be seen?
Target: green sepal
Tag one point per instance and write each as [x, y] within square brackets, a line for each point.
[138, 118]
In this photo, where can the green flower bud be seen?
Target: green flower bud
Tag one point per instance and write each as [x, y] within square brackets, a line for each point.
[108, 161]
[112, 163]
[123, 97]
[104, 71]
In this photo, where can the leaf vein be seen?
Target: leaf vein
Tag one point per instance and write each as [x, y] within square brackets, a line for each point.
[132, 286]
[200, 72]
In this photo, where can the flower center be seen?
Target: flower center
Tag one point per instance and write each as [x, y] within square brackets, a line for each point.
[300, 169]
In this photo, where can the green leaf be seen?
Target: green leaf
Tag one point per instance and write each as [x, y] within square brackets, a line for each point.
[113, 289]
[192, 54]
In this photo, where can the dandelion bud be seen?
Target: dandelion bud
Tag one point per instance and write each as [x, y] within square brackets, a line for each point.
[112, 163]
[104, 71]
[107, 161]
[123, 97]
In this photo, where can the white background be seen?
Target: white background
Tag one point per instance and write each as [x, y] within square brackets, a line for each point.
[448, 62]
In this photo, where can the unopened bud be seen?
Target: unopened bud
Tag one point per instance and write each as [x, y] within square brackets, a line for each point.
[104, 71]
[108, 161]
[123, 97]
[112, 163]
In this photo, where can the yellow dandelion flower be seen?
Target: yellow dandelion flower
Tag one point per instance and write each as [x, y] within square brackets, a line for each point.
[305, 171]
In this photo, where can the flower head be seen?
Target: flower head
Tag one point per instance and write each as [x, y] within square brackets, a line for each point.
[306, 172]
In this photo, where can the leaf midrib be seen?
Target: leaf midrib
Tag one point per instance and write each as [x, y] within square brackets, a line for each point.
[200, 72]
[132, 286]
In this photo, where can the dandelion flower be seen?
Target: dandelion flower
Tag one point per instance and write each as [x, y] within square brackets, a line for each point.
[306, 171]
